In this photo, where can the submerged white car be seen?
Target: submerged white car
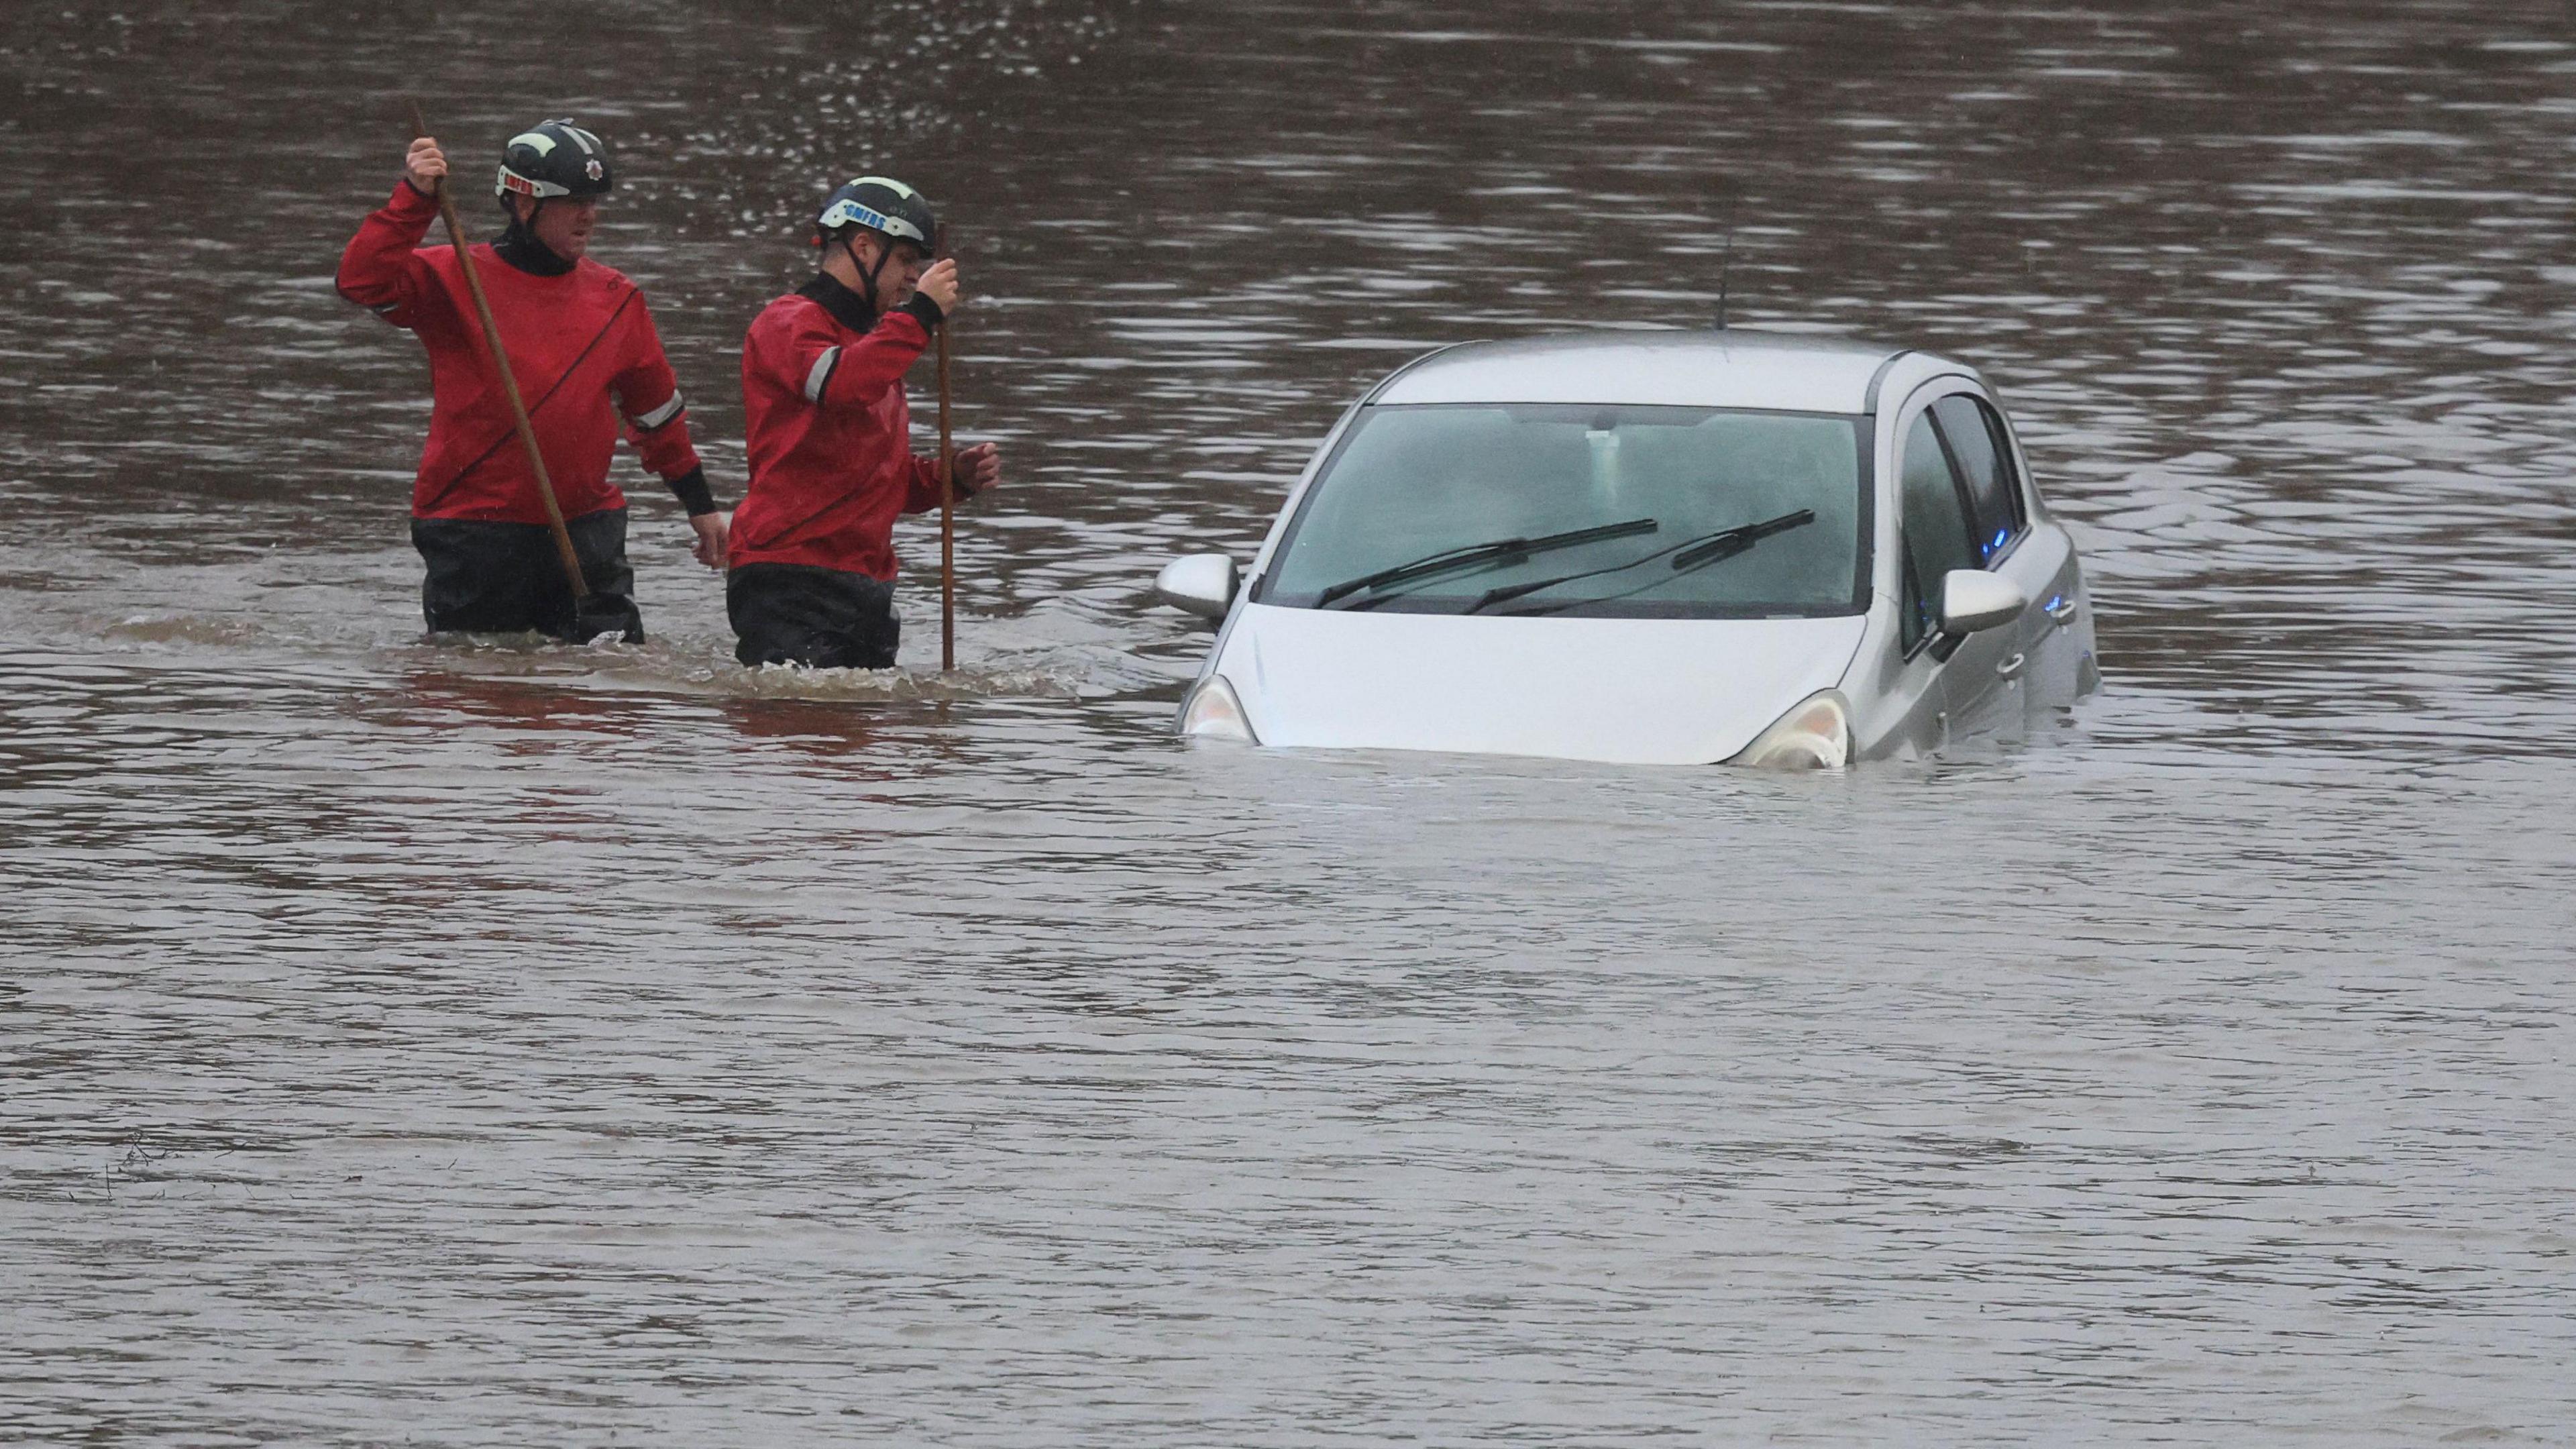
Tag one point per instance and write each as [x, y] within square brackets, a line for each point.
[1652, 548]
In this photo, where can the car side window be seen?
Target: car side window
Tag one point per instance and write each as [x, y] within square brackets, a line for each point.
[1976, 439]
[1936, 524]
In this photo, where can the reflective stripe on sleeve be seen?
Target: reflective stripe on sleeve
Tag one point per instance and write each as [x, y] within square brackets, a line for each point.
[660, 415]
[821, 376]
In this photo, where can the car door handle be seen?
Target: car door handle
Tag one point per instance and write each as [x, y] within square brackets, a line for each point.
[2011, 668]
[2063, 611]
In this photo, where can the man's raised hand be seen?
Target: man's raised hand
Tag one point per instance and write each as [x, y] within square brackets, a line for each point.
[424, 164]
[939, 284]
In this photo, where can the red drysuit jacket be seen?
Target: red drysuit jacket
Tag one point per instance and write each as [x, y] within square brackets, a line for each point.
[575, 341]
[829, 432]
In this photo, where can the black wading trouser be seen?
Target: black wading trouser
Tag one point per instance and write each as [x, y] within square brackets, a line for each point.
[502, 578]
[817, 617]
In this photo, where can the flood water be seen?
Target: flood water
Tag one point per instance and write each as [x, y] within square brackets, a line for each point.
[497, 1045]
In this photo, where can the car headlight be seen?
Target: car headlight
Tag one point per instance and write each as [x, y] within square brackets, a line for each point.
[1213, 713]
[1814, 736]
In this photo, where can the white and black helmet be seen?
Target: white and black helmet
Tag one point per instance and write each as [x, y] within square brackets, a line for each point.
[881, 204]
[551, 159]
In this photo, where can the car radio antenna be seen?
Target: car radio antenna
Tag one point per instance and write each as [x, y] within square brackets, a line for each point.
[1731, 197]
[1725, 275]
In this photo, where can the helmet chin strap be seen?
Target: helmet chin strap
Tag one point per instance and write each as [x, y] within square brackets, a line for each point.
[519, 246]
[867, 275]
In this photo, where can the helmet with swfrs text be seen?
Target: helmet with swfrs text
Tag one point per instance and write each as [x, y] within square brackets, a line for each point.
[883, 205]
[551, 159]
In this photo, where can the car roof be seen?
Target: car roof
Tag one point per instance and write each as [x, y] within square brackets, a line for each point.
[1737, 368]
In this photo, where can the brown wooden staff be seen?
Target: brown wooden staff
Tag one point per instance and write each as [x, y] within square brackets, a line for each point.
[947, 506]
[509, 387]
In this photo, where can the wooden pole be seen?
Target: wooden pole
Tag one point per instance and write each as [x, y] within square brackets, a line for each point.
[509, 383]
[947, 517]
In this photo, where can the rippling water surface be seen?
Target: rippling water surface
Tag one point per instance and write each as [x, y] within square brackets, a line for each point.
[411, 1043]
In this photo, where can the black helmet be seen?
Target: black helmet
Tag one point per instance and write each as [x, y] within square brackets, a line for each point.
[880, 204]
[554, 158]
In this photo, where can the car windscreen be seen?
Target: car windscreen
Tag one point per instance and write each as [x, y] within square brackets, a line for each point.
[1584, 511]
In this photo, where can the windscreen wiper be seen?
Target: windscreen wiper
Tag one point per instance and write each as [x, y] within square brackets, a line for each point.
[1477, 555]
[1730, 542]
[1688, 556]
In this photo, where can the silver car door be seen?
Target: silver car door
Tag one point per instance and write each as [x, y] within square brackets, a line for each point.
[1973, 432]
[1938, 535]
[2060, 668]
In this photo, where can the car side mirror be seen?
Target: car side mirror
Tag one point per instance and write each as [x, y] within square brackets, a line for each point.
[1973, 600]
[1201, 584]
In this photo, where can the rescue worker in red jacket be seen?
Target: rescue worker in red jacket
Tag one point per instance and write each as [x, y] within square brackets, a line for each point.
[828, 431]
[584, 350]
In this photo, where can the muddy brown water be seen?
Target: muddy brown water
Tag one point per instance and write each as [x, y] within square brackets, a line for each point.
[413, 1043]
